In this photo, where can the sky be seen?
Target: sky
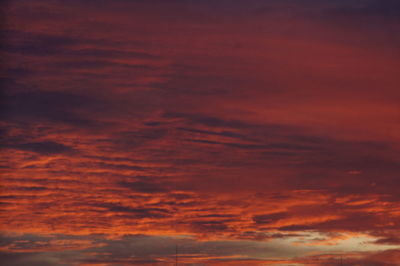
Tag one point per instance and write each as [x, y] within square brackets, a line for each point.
[241, 132]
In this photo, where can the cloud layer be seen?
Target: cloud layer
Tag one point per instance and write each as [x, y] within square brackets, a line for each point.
[245, 132]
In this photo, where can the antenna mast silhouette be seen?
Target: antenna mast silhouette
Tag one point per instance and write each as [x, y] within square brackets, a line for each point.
[176, 255]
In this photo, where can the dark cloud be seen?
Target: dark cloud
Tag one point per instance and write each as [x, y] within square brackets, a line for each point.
[209, 226]
[207, 120]
[47, 105]
[296, 228]
[44, 147]
[389, 9]
[50, 45]
[28, 43]
[34, 259]
[269, 218]
[137, 212]
[394, 240]
[145, 186]
[112, 53]
[222, 133]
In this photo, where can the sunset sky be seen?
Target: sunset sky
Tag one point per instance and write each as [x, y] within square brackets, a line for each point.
[243, 132]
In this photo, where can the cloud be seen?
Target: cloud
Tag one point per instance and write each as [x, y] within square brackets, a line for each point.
[388, 9]
[46, 106]
[261, 131]
[145, 249]
[132, 249]
[44, 148]
[145, 186]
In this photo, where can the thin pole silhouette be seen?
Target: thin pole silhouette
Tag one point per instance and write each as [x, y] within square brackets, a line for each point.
[176, 255]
